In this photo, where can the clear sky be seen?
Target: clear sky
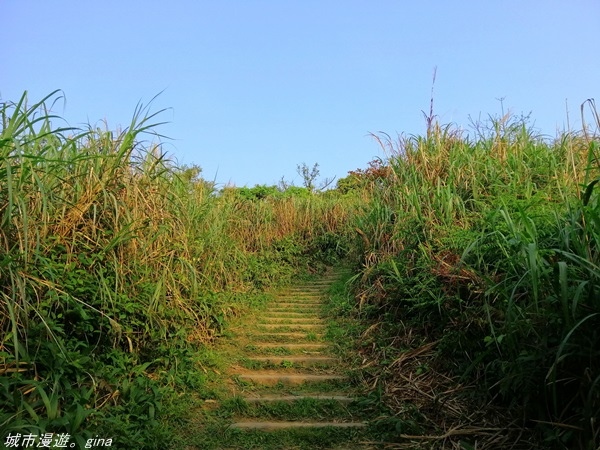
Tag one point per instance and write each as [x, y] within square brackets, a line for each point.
[255, 87]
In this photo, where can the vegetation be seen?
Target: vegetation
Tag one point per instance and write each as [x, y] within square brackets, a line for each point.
[478, 261]
[211, 424]
[117, 267]
[476, 277]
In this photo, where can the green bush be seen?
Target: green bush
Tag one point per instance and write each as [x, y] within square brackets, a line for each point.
[488, 248]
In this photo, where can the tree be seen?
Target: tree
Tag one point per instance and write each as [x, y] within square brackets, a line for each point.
[309, 176]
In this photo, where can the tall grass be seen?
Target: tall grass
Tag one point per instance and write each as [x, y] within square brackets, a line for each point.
[487, 243]
[112, 257]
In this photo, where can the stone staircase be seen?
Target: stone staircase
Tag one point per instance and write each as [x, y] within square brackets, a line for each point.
[288, 361]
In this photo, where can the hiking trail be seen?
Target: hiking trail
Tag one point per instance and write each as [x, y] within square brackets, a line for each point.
[286, 387]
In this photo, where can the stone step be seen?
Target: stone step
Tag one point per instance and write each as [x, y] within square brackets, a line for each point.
[293, 305]
[295, 319]
[269, 378]
[295, 298]
[309, 295]
[291, 314]
[306, 346]
[294, 398]
[288, 348]
[307, 359]
[302, 289]
[317, 293]
[301, 311]
[283, 335]
[281, 425]
[292, 323]
[304, 312]
[290, 320]
[294, 326]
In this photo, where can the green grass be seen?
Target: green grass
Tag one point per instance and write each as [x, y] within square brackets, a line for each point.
[217, 433]
[118, 266]
[487, 246]
[206, 422]
[301, 409]
[120, 270]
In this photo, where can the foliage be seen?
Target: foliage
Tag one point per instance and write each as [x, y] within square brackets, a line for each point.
[109, 252]
[118, 268]
[488, 249]
[376, 174]
[309, 175]
[264, 192]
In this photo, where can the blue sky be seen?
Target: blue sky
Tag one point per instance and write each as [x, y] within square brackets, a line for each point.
[255, 87]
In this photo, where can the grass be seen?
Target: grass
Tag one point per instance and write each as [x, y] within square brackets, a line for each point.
[274, 351]
[217, 433]
[118, 266]
[470, 296]
[301, 409]
[214, 420]
[480, 256]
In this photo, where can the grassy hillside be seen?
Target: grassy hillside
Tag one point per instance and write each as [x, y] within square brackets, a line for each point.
[476, 276]
[117, 267]
[477, 262]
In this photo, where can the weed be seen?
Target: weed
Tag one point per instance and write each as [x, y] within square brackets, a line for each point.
[118, 265]
[487, 249]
